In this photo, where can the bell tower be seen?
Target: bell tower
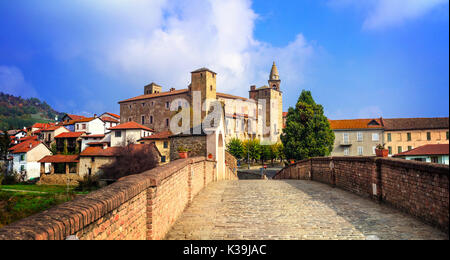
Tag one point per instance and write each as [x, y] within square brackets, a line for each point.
[274, 79]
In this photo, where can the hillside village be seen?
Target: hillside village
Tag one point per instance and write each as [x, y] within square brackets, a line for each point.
[80, 145]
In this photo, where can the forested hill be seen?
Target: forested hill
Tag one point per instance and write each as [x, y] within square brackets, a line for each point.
[16, 112]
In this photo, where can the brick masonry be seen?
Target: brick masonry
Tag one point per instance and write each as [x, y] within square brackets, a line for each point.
[137, 207]
[417, 188]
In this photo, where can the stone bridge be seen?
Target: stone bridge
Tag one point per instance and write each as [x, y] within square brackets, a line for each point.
[320, 198]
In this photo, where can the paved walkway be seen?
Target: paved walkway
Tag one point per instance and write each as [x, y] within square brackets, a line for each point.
[292, 209]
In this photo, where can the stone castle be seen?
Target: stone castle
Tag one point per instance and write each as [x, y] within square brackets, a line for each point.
[260, 116]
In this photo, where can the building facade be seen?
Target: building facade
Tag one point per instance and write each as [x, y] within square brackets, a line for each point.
[242, 116]
[432, 153]
[356, 137]
[405, 134]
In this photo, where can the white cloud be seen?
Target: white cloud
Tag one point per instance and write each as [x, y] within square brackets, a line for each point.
[163, 41]
[13, 82]
[388, 13]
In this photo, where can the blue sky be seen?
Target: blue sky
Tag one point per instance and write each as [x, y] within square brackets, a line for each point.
[360, 59]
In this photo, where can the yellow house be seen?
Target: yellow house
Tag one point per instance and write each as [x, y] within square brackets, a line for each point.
[405, 134]
[162, 143]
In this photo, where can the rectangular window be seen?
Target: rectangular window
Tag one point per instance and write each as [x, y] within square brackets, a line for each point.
[167, 105]
[389, 137]
[118, 133]
[410, 148]
[346, 137]
[434, 159]
[390, 149]
[129, 119]
[22, 168]
[92, 159]
[346, 151]
[151, 119]
[163, 159]
[143, 120]
[360, 137]
[375, 137]
[83, 126]
[78, 127]
[166, 144]
[446, 135]
[373, 149]
[22, 157]
[167, 121]
[408, 136]
[399, 149]
[428, 136]
[360, 150]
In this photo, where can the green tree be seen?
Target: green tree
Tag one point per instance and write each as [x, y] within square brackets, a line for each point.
[307, 133]
[276, 152]
[266, 153]
[236, 148]
[252, 149]
[53, 149]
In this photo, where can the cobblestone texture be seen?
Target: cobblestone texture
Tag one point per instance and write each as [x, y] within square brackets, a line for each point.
[292, 209]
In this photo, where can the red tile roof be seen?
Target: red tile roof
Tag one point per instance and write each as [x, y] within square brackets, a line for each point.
[429, 149]
[75, 117]
[27, 138]
[160, 135]
[53, 128]
[70, 135]
[59, 158]
[93, 136]
[285, 114]
[24, 147]
[162, 94]
[42, 125]
[111, 151]
[114, 115]
[99, 151]
[109, 119]
[130, 125]
[356, 124]
[416, 123]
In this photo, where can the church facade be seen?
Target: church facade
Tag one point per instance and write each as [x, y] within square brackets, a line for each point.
[257, 117]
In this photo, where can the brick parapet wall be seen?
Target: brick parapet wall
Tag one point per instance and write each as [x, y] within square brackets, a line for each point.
[142, 206]
[417, 188]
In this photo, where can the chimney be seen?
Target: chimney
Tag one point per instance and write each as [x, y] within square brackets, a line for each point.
[253, 87]
[95, 115]
[172, 89]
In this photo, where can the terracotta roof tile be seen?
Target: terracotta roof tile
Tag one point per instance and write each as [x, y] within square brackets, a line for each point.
[160, 135]
[429, 149]
[70, 135]
[162, 94]
[27, 138]
[59, 158]
[130, 125]
[356, 124]
[114, 115]
[53, 128]
[416, 123]
[109, 119]
[75, 117]
[24, 147]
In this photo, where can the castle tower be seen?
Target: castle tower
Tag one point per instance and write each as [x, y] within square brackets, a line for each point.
[274, 102]
[274, 79]
[204, 81]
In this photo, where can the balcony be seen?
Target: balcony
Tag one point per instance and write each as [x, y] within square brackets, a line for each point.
[345, 143]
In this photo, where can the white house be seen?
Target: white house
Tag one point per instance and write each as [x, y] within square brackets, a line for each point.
[91, 125]
[103, 139]
[128, 133]
[26, 156]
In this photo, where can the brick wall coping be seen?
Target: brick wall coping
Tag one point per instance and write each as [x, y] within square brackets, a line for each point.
[70, 217]
[409, 164]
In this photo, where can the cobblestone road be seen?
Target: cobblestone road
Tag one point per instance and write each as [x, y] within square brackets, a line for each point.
[292, 209]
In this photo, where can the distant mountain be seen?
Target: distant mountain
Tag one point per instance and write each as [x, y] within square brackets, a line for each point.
[16, 112]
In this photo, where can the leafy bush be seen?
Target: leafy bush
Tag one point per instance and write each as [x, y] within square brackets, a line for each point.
[89, 183]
